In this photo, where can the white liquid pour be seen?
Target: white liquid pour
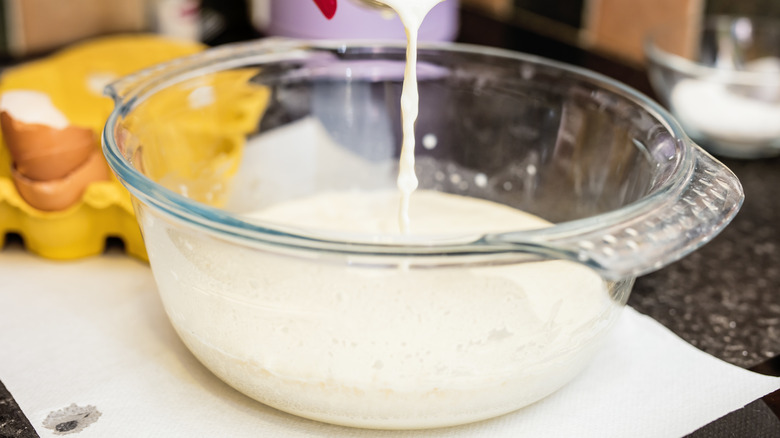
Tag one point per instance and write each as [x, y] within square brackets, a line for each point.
[412, 13]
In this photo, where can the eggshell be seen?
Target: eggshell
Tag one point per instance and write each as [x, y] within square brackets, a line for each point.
[59, 194]
[40, 152]
[30, 106]
[65, 78]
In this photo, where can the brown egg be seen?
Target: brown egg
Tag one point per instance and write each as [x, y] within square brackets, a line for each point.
[59, 194]
[40, 152]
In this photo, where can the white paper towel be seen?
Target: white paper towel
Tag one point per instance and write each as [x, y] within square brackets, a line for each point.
[93, 332]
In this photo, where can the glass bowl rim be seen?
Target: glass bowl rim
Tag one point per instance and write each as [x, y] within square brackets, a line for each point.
[133, 89]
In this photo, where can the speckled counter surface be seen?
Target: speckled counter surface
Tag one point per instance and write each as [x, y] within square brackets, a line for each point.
[13, 422]
[724, 297]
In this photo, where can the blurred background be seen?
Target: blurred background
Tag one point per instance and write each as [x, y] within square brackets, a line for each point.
[614, 28]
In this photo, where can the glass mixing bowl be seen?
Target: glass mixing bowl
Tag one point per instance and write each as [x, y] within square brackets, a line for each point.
[380, 329]
[721, 80]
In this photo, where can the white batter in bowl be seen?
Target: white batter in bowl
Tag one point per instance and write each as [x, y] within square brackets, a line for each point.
[270, 215]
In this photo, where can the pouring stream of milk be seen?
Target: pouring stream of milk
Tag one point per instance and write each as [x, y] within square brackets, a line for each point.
[412, 13]
[363, 344]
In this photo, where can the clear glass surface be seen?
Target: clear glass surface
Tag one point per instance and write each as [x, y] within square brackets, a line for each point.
[398, 327]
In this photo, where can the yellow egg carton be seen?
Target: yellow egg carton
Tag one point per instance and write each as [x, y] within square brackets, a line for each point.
[73, 79]
[104, 211]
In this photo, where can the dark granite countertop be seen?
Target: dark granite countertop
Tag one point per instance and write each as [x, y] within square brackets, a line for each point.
[722, 298]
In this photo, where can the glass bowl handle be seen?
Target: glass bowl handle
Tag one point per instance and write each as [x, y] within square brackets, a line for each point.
[656, 234]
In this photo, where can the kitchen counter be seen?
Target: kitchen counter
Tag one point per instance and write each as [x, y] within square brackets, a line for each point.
[722, 298]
